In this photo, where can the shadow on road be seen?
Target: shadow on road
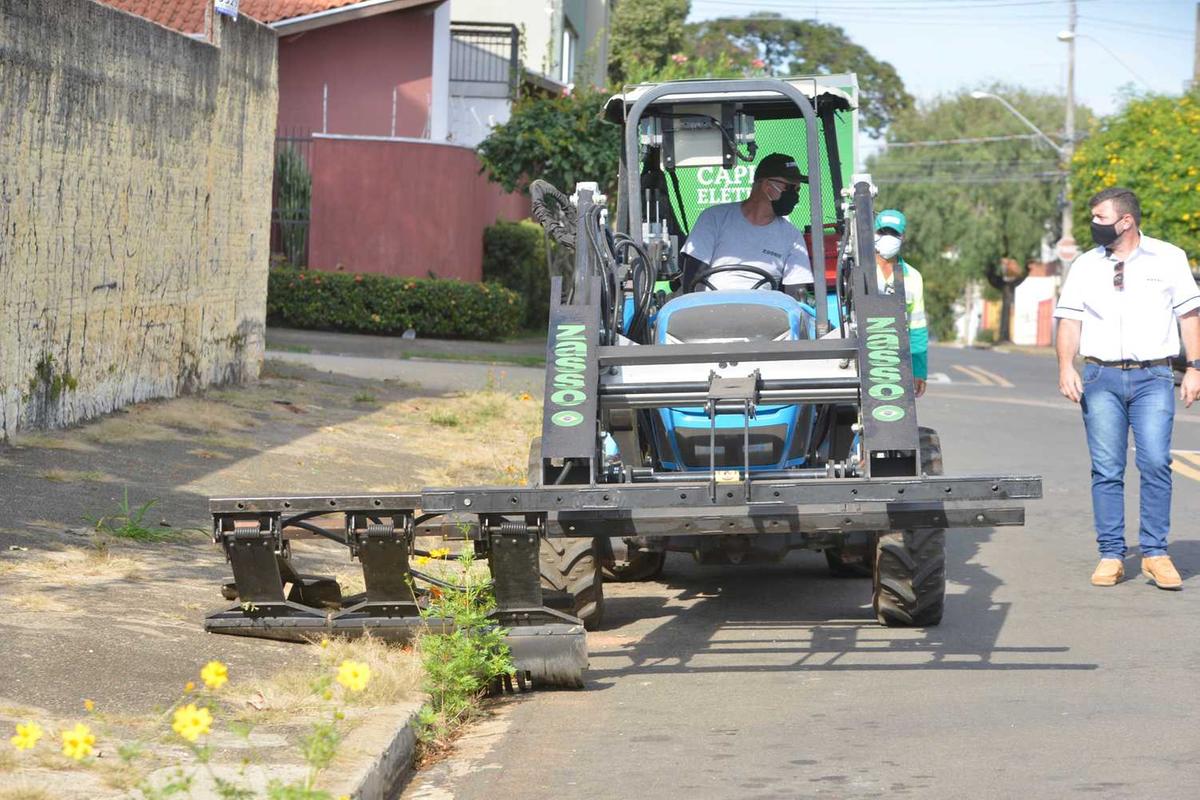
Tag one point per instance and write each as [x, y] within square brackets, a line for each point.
[795, 616]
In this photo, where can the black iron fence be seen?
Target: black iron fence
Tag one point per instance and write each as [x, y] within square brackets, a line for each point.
[485, 52]
[291, 196]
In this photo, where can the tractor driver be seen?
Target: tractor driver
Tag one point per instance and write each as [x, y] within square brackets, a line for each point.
[755, 232]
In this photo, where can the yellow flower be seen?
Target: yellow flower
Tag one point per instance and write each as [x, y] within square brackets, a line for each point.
[191, 722]
[89, 705]
[215, 674]
[526, 396]
[27, 736]
[77, 742]
[324, 643]
[441, 552]
[189, 687]
[354, 675]
[421, 560]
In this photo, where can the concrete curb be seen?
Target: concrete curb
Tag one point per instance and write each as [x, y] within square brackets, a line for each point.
[375, 759]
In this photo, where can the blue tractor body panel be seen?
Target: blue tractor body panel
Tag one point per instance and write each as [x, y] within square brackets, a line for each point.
[778, 434]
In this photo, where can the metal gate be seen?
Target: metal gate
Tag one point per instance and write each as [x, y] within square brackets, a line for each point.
[291, 196]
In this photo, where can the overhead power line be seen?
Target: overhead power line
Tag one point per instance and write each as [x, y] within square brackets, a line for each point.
[967, 140]
[1000, 177]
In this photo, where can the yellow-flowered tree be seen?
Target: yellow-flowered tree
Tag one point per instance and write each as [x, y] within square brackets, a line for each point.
[1151, 146]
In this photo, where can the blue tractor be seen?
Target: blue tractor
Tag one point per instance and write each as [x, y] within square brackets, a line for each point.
[732, 425]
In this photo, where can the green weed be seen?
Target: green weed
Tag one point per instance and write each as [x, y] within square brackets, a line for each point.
[126, 522]
[446, 419]
[462, 664]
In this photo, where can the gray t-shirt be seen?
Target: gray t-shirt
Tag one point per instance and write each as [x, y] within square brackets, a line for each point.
[722, 236]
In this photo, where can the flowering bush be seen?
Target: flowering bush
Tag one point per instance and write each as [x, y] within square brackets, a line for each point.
[1152, 147]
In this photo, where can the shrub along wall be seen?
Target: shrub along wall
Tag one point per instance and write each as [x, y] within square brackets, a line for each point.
[514, 254]
[357, 303]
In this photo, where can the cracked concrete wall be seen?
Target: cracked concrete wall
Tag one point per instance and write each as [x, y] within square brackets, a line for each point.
[135, 199]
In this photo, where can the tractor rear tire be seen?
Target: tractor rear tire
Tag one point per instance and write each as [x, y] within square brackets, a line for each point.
[910, 566]
[570, 566]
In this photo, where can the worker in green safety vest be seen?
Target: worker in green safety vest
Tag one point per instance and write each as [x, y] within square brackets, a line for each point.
[889, 236]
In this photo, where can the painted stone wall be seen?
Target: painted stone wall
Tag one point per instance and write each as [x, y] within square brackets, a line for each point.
[135, 198]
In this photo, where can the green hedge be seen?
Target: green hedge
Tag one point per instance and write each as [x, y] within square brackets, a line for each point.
[443, 309]
[514, 255]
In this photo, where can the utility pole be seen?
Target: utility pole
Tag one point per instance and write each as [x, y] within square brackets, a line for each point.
[1066, 245]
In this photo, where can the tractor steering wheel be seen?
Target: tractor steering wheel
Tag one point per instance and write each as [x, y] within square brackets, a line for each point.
[702, 278]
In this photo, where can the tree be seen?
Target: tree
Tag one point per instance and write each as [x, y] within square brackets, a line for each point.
[645, 34]
[1151, 146]
[559, 139]
[972, 205]
[805, 47]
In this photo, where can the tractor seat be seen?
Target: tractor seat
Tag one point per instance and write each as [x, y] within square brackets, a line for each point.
[733, 316]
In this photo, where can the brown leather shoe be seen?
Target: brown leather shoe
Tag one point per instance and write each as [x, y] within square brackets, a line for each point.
[1160, 570]
[1108, 572]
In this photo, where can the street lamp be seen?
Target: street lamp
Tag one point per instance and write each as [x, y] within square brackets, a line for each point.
[1070, 36]
[1066, 244]
[978, 95]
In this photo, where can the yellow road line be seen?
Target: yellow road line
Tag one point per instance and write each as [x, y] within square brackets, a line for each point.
[999, 379]
[1185, 470]
[1185, 463]
[971, 373]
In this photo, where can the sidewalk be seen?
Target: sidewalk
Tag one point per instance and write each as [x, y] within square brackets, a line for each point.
[528, 351]
[94, 615]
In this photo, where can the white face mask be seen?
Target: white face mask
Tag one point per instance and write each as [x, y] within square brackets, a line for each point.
[887, 246]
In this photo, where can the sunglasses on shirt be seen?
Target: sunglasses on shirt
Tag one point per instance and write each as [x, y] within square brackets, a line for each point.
[1119, 276]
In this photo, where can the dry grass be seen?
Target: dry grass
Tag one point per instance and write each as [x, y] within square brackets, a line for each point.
[35, 601]
[8, 760]
[193, 414]
[487, 433]
[53, 441]
[79, 566]
[25, 793]
[76, 476]
[351, 582]
[119, 775]
[395, 675]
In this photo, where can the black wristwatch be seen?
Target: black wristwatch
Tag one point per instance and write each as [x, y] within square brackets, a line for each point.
[1194, 364]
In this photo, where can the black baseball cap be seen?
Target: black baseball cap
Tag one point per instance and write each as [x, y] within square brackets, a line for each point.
[778, 165]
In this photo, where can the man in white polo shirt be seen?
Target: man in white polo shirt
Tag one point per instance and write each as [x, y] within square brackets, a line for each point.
[1118, 309]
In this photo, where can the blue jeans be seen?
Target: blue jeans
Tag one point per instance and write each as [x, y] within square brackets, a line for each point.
[1113, 401]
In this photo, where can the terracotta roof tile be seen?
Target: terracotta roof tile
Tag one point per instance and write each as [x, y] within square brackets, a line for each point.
[188, 15]
[181, 15]
[275, 10]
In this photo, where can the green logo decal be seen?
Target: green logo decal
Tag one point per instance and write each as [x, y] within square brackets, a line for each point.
[883, 367]
[570, 361]
[888, 413]
[567, 419]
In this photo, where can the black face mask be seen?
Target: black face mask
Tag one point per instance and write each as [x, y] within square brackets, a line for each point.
[1104, 235]
[786, 202]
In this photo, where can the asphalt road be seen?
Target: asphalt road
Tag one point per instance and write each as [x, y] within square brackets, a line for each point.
[775, 681]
